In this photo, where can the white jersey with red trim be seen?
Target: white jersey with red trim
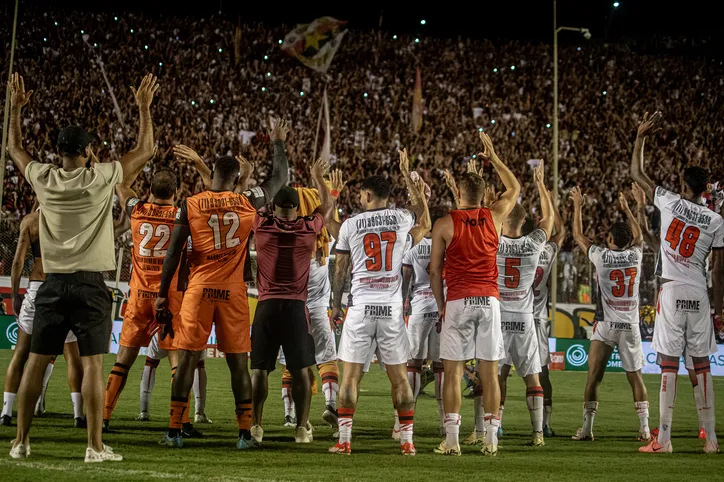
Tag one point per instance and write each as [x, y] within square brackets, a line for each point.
[376, 242]
[618, 274]
[689, 232]
[418, 258]
[517, 262]
[540, 284]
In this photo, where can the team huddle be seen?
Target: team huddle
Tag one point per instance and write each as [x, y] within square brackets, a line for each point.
[476, 278]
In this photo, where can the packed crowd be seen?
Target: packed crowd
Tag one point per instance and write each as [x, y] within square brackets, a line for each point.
[219, 101]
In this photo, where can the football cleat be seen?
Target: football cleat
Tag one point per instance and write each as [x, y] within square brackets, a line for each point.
[106, 455]
[341, 448]
[80, 422]
[654, 447]
[246, 443]
[20, 451]
[257, 433]
[644, 436]
[143, 417]
[581, 437]
[538, 440]
[711, 447]
[188, 431]
[330, 416]
[304, 435]
[6, 420]
[500, 431]
[490, 450]
[702, 434]
[443, 449]
[548, 432]
[475, 438]
[201, 418]
[290, 421]
[176, 442]
[408, 448]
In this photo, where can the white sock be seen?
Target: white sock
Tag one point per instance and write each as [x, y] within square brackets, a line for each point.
[479, 414]
[500, 415]
[642, 409]
[452, 429]
[534, 399]
[288, 402]
[200, 390]
[707, 410]
[492, 424]
[345, 428]
[406, 427]
[330, 390]
[77, 399]
[667, 399]
[8, 401]
[439, 380]
[699, 401]
[589, 414]
[547, 413]
[46, 380]
[413, 377]
[397, 422]
[148, 380]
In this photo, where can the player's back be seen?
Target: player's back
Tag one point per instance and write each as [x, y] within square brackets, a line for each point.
[151, 227]
[376, 242]
[618, 273]
[220, 223]
[517, 262]
[540, 284]
[418, 258]
[689, 231]
[470, 268]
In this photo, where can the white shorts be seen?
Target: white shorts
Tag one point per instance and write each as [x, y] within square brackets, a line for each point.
[155, 353]
[27, 311]
[625, 336]
[325, 349]
[472, 330]
[521, 342]
[543, 330]
[424, 338]
[382, 323]
[683, 321]
[374, 350]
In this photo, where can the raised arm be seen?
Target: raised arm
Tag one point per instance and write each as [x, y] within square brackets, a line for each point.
[509, 198]
[558, 224]
[450, 181]
[122, 224]
[407, 271]
[578, 235]
[341, 267]
[124, 194]
[280, 165]
[16, 270]
[640, 196]
[179, 236]
[246, 169]
[649, 126]
[546, 203]
[326, 204]
[18, 99]
[134, 160]
[185, 153]
[417, 199]
[424, 223]
[437, 260]
[337, 184]
[638, 238]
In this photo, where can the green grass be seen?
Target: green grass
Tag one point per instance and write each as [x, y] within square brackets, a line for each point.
[58, 448]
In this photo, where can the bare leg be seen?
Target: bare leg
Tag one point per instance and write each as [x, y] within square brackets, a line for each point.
[28, 393]
[93, 394]
[15, 372]
[302, 394]
[260, 391]
[75, 379]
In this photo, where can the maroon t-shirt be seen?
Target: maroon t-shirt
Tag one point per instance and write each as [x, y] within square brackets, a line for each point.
[283, 253]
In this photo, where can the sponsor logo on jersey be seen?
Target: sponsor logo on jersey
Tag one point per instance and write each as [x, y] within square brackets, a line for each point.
[146, 295]
[216, 294]
[692, 216]
[474, 222]
[513, 326]
[378, 310]
[691, 306]
[377, 221]
[618, 326]
[477, 301]
[207, 203]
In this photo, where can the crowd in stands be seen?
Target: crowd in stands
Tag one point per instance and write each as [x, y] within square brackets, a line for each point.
[217, 97]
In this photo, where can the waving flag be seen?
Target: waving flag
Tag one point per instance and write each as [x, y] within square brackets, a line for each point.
[315, 44]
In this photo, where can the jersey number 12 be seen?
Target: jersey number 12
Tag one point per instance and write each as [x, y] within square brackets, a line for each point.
[229, 218]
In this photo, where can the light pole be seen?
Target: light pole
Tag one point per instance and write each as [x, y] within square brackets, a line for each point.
[587, 35]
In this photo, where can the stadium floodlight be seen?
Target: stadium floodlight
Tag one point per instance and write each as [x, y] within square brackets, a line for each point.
[394, 37]
[417, 40]
[221, 50]
[423, 22]
[616, 4]
[266, 57]
[512, 67]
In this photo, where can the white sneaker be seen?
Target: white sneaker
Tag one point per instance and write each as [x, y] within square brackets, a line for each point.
[107, 455]
[304, 435]
[580, 436]
[20, 451]
[201, 418]
[257, 433]
[143, 417]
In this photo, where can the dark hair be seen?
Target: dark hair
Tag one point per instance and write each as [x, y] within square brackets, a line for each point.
[164, 184]
[378, 186]
[437, 213]
[473, 185]
[621, 233]
[528, 226]
[517, 215]
[227, 168]
[696, 178]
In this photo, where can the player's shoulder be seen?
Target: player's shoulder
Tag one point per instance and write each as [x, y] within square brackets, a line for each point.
[537, 237]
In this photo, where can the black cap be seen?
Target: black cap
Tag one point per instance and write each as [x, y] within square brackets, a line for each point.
[287, 197]
[73, 140]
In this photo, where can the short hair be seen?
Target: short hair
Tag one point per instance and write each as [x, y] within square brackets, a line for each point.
[621, 233]
[227, 168]
[378, 186]
[696, 178]
[517, 215]
[164, 184]
[528, 226]
[473, 185]
[437, 213]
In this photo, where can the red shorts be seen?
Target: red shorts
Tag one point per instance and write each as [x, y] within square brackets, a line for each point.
[139, 316]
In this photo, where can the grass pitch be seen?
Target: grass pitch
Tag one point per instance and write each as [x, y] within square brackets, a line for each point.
[58, 448]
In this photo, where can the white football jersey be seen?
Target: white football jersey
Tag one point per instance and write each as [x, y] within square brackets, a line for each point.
[540, 284]
[618, 274]
[689, 231]
[517, 262]
[318, 288]
[376, 242]
[418, 258]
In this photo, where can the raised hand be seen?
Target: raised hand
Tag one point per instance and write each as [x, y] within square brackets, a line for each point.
[488, 150]
[404, 163]
[279, 129]
[638, 194]
[538, 173]
[450, 181]
[185, 153]
[319, 168]
[18, 97]
[337, 182]
[473, 167]
[245, 167]
[490, 196]
[144, 93]
[623, 202]
[650, 124]
[577, 196]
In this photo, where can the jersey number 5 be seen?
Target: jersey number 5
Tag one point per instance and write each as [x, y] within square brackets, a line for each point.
[686, 241]
[512, 273]
[229, 218]
[162, 231]
[619, 277]
[373, 250]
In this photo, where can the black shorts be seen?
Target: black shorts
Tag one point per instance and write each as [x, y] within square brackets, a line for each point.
[78, 302]
[282, 323]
